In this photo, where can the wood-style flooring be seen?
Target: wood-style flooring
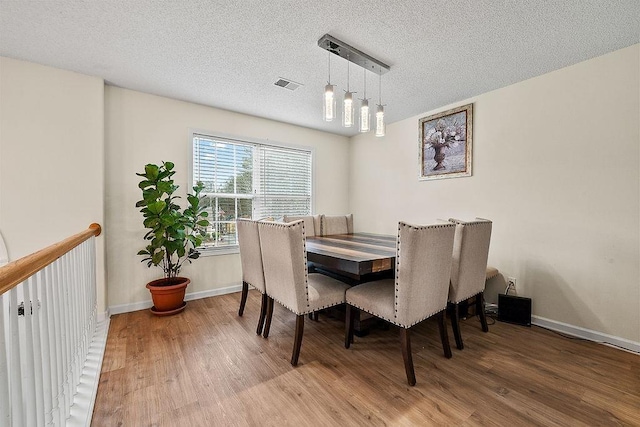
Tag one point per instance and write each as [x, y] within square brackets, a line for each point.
[207, 367]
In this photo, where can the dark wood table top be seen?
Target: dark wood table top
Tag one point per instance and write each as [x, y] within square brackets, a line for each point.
[353, 255]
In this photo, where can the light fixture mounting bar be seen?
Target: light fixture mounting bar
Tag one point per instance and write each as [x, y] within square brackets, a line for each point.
[340, 48]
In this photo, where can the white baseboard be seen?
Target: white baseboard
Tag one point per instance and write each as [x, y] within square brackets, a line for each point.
[586, 334]
[126, 308]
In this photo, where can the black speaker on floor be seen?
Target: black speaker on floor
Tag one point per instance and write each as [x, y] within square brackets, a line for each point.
[514, 309]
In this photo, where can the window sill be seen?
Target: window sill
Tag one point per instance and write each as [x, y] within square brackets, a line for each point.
[219, 251]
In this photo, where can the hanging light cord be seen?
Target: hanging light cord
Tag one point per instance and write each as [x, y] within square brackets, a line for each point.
[365, 84]
[348, 63]
[329, 82]
[380, 89]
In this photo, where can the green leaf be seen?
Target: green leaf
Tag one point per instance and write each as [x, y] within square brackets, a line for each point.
[166, 187]
[157, 207]
[168, 165]
[157, 257]
[144, 184]
[203, 223]
[151, 172]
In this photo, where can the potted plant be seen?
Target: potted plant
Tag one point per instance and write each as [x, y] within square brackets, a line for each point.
[173, 234]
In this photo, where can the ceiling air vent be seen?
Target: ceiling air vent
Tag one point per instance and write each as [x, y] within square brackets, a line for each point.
[287, 84]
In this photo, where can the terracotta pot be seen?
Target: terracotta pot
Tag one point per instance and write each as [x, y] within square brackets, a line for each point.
[168, 295]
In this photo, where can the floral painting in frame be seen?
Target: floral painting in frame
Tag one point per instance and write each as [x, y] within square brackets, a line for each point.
[445, 144]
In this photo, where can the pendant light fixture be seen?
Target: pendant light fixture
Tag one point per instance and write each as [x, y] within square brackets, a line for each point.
[368, 63]
[329, 102]
[347, 110]
[364, 108]
[380, 126]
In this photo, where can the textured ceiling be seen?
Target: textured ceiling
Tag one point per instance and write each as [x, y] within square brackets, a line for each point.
[228, 54]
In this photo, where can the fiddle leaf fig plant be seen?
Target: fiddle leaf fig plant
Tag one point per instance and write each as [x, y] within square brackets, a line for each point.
[173, 234]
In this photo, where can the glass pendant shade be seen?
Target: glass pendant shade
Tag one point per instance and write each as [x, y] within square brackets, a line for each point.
[380, 121]
[348, 110]
[329, 104]
[364, 116]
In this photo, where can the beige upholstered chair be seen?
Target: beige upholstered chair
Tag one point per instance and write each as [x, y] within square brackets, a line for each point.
[337, 224]
[469, 270]
[284, 257]
[312, 223]
[251, 260]
[419, 290]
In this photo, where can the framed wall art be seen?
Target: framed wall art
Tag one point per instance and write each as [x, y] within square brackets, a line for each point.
[445, 144]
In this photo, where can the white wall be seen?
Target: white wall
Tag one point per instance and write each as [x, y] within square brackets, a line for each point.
[51, 157]
[141, 129]
[556, 167]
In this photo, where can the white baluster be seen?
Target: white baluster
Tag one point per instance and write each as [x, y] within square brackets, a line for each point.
[5, 347]
[36, 329]
[58, 311]
[66, 335]
[17, 410]
[26, 357]
[48, 357]
[53, 344]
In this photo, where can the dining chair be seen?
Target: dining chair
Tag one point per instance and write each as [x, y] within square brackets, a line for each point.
[418, 292]
[337, 224]
[288, 281]
[469, 270]
[251, 261]
[312, 223]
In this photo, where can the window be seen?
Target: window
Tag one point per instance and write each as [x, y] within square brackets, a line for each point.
[248, 180]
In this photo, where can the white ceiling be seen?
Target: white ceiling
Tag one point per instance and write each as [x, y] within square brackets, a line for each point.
[228, 54]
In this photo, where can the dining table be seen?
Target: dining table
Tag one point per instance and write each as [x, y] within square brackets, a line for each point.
[354, 258]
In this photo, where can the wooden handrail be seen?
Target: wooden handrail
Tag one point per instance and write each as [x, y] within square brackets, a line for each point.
[19, 270]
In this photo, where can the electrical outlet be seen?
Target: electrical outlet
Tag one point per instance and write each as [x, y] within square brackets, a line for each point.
[511, 283]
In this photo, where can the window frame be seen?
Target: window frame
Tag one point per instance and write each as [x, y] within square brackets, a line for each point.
[234, 139]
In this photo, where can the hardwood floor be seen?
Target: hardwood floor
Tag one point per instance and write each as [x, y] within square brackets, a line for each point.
[207, 367]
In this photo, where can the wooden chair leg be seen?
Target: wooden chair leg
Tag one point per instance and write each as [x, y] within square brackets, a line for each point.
[310, 316]
[315, 316]
[480, 311]
[297, 339]
[243, 297]
[444, 336]
[348, 326]
[455, 325]
[405, 342]
[267, 320]
[263, 313]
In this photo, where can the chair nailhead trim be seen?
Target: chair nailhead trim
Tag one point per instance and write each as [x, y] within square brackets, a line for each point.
[394, 321]
[306, 311]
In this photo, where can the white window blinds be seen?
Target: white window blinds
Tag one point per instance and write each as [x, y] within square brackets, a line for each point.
[249, 180]
[284, 182]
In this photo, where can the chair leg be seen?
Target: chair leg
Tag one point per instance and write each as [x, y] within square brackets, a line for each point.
[297, 339]
[480, 311]
[243, 297]
[315, 316]
[444, 336]
[405, 342]
[455, 325]
[348, 326]
[267, 321]
[263, 313]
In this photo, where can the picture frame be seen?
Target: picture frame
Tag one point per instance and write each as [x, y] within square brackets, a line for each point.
[445, 144]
